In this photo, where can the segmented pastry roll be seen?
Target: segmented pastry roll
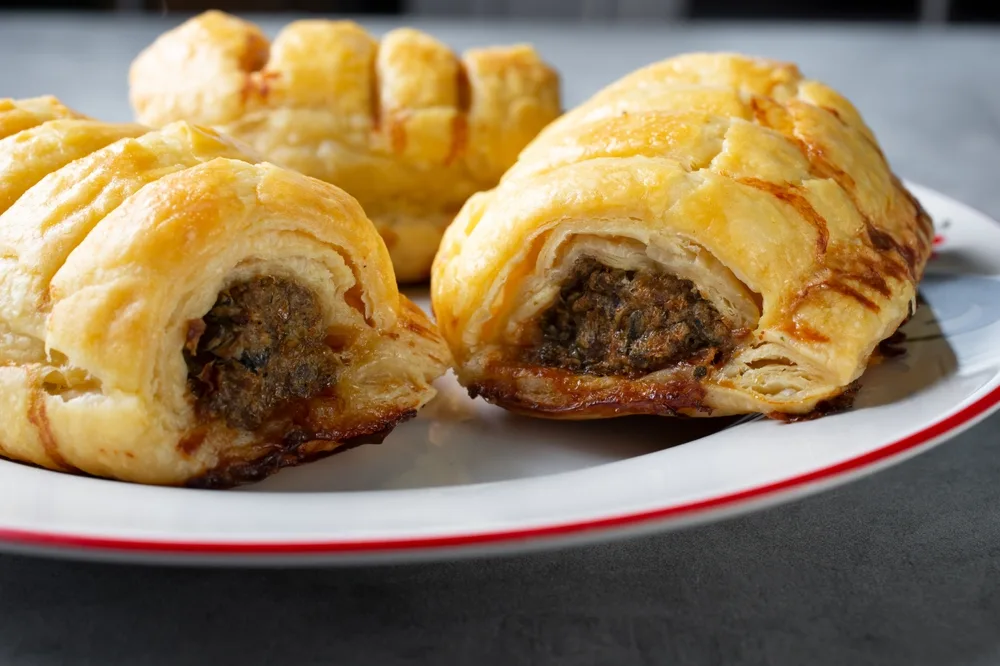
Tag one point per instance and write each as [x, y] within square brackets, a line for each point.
[174, 312]
[711, 235]
[404, 125]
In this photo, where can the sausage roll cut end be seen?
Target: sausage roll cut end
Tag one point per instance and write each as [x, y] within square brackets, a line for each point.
[175, 311]
[714, 234]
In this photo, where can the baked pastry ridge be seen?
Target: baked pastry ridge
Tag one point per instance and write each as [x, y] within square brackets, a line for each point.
[175, 311]
[713, 234]
[403, 124]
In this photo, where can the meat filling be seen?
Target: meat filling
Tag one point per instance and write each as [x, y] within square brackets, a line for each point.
[260, 347]
[608, 321]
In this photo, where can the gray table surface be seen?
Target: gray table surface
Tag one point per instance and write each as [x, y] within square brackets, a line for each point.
[899, 568]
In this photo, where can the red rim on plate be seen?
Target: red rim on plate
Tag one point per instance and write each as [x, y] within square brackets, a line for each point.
[965, 417]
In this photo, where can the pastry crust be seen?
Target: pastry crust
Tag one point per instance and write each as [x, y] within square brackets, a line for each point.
[765, 190]
[115, 243]
[406, 126]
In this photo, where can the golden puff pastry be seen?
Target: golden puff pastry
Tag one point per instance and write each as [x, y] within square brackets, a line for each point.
[404, 125]
[173, 311]
[711, 235]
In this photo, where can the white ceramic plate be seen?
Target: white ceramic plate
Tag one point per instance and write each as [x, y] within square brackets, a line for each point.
[466, 477]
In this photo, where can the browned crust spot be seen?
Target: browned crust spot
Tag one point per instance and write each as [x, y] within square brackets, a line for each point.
[870, 277]
[803, 332]
[849, 291]
[884, 243]
[412, 320]
[885, 265]
[258, 85]
[256, 52]
[296, 448]
[191, 442]
[39, 418]
[833, 112]
[464, 88]
[460, 123]
[760, 111]
[576, 396]
[459, 138]
[375, 92]
[397, 131]
[820, 165]
[834, 405]
[791, 195]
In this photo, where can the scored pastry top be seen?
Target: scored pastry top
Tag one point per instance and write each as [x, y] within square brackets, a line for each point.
[409, 97]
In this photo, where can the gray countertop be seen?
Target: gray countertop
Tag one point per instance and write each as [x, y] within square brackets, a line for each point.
[899, 568]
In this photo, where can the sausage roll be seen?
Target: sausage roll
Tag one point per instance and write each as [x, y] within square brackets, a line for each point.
[404, 125]
[711, 235]
[174, 312]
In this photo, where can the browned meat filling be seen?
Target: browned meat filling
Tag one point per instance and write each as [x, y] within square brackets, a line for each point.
[259, 348]
[608, 321]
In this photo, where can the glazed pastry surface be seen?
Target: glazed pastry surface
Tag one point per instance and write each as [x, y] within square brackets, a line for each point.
[713, 234]
[174, 311]
[404, 125]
